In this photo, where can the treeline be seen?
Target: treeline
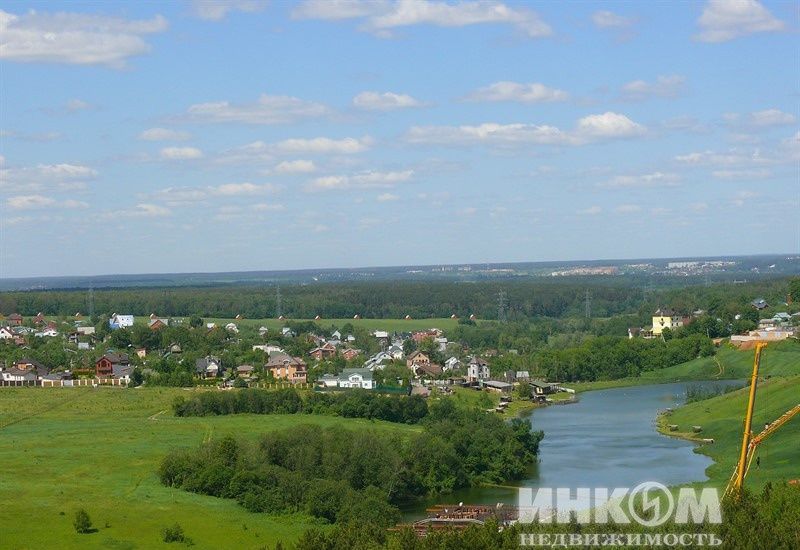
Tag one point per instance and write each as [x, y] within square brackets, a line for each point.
[345, 476]
[580, 357]
[393, 299]
[610, 357]
[767, 519]
[350, 404]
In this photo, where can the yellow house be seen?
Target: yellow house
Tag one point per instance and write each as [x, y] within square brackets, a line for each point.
[665, 318]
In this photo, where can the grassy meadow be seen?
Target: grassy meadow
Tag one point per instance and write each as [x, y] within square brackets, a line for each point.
[99, 449]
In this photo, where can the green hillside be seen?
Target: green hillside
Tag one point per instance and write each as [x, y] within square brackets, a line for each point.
[722, 419]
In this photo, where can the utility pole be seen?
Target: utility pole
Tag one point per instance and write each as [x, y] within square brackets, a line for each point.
[501, 306]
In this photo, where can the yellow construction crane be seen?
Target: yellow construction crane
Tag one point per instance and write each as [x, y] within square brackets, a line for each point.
[750, 442]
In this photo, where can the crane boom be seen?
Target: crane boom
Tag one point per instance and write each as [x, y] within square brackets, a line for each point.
[748, 421]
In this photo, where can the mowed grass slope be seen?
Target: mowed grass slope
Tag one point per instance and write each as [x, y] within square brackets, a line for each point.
[99, 449]
[722, 419]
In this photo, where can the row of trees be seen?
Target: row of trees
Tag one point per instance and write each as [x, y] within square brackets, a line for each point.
[350, 404]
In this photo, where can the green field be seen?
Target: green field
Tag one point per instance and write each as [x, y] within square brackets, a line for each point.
[67, 448]
[722, 419]
[391, 325]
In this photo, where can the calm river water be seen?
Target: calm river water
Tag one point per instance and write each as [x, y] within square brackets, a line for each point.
[607, 439]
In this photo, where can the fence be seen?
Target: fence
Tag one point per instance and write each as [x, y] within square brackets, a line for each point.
[85, 382]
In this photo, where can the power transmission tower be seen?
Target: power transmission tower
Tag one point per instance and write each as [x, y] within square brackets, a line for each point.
[90, 299]
[587, 305]
[278, 302]
[501, 306]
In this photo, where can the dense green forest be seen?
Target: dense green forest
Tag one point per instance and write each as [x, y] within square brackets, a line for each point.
[341, 475]
[523, 299]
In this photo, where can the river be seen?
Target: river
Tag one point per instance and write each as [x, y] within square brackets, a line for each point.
[607, 439]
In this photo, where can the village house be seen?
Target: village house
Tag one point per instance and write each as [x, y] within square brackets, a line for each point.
[396, 350]
[477, 370]
[325, 351]
[417, 359]
[420, 335]
[452, 363]
[31, 365]
[231, 327]
[497, 386]
[542, 388]
[350, 353]
[157, 324]
[268, 348]
[349, 378]
[428, 370]
[285, 367]
[14, 320]
[14, 374]
[378, 361]
[120, 321]
[47, 333]
[245, 371]
[759, 303]
[665, 318]
[113, 365]
[208, 367]
[6, 333]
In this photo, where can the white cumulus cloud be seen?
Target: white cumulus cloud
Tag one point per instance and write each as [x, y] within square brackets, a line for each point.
[386, 101]
[363, 180]
[514, 91]
[605, 19]
[664, 86]
[299, 166]
[724, 20]
[164, 134]
[590, 128]
[269, 109]
[654, 179]
[772, 117]
[217, 10]
[381, 17]
[181, 153]
[74, 38]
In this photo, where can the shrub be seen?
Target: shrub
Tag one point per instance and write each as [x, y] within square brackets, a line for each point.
[82, 522]
[175, 534]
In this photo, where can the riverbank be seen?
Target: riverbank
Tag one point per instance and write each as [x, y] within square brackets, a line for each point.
[720, 419]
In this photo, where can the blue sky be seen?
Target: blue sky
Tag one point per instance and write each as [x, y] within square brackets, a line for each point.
[247, 135]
